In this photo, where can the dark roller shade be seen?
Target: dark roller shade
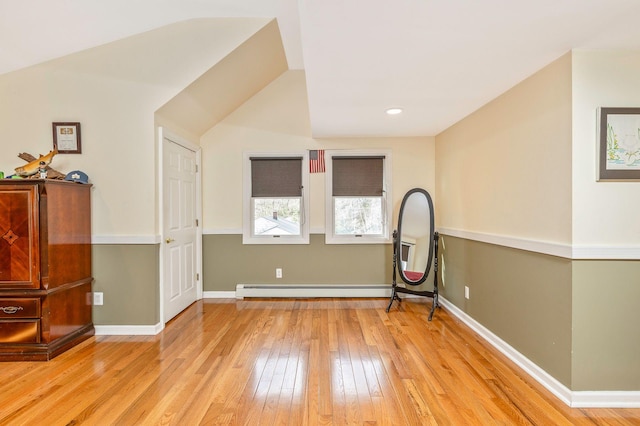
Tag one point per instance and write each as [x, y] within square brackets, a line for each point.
[404, 256]
[276, 177]
[358, 176]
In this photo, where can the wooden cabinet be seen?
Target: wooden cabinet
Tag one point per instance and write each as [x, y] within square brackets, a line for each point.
[45, 268]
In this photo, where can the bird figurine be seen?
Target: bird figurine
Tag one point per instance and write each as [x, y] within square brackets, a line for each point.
[34, 166]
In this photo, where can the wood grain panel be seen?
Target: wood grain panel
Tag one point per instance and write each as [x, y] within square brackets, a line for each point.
[18, 237]
[20, 308]
[68, 233]
[45, 271]
[20, 331]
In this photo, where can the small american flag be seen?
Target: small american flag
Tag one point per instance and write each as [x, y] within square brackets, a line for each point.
[316, 161]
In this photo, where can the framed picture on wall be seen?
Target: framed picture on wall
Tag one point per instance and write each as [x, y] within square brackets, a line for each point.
[66, 138]
[618, 144]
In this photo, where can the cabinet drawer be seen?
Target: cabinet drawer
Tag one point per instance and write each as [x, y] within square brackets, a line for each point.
[15, 331]
[20, 308]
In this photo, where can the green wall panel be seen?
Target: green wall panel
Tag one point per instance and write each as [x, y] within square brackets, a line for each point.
[227, 262]
[606, 320]
[127, 274]
[577, 320]
[522, 297]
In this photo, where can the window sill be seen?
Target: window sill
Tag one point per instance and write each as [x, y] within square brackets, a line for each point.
[352, 239]
[270, 239]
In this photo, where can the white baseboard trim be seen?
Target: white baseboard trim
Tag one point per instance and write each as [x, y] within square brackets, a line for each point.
[545, 247]
[238, 231]
[537, 373]
[222, 231]
[581, 399]
[125, 239]
[219, 295]
[605, 399]
[569, 251]
[606, 252]
[128, 330]
[312, 290]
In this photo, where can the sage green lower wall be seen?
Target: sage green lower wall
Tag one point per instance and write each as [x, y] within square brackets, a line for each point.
[522, 297]
[606, 325]
[127, 275]
[227, 262]
[576, 319]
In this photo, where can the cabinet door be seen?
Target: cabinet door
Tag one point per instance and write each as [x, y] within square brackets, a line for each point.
[19, 229]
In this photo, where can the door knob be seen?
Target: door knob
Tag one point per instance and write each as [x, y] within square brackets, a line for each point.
[170, 240]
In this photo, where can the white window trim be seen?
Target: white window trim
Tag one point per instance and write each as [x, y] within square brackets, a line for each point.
[330, 237]
[411, 243]
[247, 237]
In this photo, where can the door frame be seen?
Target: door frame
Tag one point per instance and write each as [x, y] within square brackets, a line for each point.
[163, 133]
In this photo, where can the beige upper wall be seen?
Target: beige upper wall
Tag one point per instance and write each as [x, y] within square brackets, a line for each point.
[506, 169]
[604, 213]
[277, 120]
[113, 91]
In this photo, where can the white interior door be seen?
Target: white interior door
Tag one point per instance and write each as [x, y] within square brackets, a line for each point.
[180, 228]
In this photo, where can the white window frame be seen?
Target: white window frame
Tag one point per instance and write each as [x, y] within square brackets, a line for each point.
[387, 205]
[248, 236]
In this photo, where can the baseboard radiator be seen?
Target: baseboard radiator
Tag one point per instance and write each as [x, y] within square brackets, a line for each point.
[312, 290]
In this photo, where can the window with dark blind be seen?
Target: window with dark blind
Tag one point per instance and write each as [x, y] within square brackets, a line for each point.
[358, 199]
[276, 204]
[276, 177]
[358, 176]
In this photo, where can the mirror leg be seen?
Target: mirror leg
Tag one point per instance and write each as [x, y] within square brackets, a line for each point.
[434, 306]
[394, 296]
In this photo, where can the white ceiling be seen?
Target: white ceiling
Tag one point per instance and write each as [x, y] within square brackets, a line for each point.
[437, 59]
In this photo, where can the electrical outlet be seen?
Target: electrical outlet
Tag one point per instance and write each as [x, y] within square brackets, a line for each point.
[278, 272]
[97, 298]
[466, 292]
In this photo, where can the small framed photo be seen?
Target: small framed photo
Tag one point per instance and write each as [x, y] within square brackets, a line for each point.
[66, 138]
[618, 144]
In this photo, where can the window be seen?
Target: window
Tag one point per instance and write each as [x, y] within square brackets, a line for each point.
[406, 254]
[275, 207]
[358, 199]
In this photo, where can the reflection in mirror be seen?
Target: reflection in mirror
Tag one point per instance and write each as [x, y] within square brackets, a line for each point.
[415, 236]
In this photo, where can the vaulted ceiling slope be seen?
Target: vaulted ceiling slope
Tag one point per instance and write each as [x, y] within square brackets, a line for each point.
[229, 83]
[438, 60]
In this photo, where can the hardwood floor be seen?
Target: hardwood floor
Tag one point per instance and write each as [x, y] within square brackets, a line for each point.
[289, 362]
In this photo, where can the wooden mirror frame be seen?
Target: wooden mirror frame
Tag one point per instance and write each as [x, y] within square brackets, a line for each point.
[428, 216]
[433, 255]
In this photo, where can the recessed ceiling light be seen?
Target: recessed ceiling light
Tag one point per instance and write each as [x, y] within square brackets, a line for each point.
[393, 111]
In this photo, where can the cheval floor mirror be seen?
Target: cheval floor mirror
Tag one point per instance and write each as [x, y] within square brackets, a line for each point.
[415, 248]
